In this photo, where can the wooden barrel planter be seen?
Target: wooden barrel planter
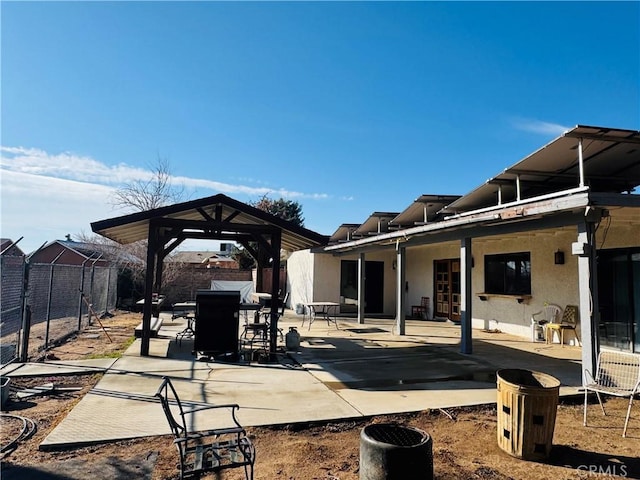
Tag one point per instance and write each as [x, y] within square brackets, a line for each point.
[527, 405]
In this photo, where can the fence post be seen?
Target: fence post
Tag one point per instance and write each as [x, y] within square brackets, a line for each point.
[80, 302]
[49, 295]
[106, 302]
[26, 313]
[93, 272]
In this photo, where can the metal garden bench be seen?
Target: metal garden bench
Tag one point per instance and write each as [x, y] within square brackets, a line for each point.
[618, 374]
[206, 451]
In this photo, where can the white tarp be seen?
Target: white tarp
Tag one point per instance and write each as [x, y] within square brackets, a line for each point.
[245, 287]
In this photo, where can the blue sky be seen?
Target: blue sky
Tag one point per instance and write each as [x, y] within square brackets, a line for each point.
[348, 108]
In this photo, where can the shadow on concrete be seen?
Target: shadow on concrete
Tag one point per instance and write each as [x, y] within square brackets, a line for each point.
[375, 364]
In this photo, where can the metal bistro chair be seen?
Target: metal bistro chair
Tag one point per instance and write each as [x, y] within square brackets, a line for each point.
[209, 450]
[618, 374]
[266, 313]
[569, 321]
[254, 337]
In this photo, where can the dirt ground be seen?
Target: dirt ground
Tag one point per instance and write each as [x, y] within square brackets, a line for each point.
[464, 439]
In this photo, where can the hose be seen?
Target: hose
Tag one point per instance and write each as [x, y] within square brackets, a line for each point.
[28, 429]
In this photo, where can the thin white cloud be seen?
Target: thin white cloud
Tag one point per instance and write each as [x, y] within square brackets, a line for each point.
[539, 126]
[42, 209]
[70, 166]
[46, 196]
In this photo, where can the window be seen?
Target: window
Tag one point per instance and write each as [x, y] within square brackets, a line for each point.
[349, 279]
[508, 273]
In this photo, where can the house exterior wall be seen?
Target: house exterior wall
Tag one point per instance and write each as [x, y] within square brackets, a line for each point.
[550, 283]
[419, 274]
[317, 276]
[326, 278]
[300, 281]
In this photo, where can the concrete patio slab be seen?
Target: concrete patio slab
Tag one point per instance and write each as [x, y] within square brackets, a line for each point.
[61, 367]
[354, 371]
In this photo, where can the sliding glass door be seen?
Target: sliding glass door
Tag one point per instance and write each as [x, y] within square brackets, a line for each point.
[619, 298]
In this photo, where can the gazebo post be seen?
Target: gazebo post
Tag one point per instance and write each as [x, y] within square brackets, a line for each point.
[148, 289]
[276, 240]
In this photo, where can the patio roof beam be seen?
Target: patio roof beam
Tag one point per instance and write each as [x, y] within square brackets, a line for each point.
[580, 163]
[487, 229]
[634, 138]
[213, 226]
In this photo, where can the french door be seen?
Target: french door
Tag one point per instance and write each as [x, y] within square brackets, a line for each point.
[447, 289]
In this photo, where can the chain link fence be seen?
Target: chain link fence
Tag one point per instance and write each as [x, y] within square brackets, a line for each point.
[52, 306]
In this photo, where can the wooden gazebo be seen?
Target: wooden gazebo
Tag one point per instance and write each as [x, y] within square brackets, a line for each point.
[216, 218]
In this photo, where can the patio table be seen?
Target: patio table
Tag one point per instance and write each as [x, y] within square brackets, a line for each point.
[156, 304]
[184, 309]
[324, 309]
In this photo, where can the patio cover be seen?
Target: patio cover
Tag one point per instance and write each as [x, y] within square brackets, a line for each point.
[377, 223]
[611, 164]
[423, 210]
[217, 218]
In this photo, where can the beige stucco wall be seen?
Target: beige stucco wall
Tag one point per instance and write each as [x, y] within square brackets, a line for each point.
[300, 277]
[419, 271]
[327, 277]
[550, 283]
[317, 276]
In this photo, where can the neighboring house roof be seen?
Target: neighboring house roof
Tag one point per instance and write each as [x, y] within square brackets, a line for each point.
[89, 252]
[7, 249]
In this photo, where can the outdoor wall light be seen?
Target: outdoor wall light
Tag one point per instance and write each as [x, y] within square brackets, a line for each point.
[558, 258]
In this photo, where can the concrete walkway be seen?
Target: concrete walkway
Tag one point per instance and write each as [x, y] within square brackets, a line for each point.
[356, 371]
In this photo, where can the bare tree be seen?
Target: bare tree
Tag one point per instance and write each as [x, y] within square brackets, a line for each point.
[153, 191]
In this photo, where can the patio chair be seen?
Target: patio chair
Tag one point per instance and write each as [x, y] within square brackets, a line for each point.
[548, 314]
[617, 374]
[254, 338]
[206, 451]
[266, 313]
[422, 310]
[569, 321]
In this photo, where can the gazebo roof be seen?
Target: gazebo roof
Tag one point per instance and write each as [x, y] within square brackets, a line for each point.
[230, 218]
